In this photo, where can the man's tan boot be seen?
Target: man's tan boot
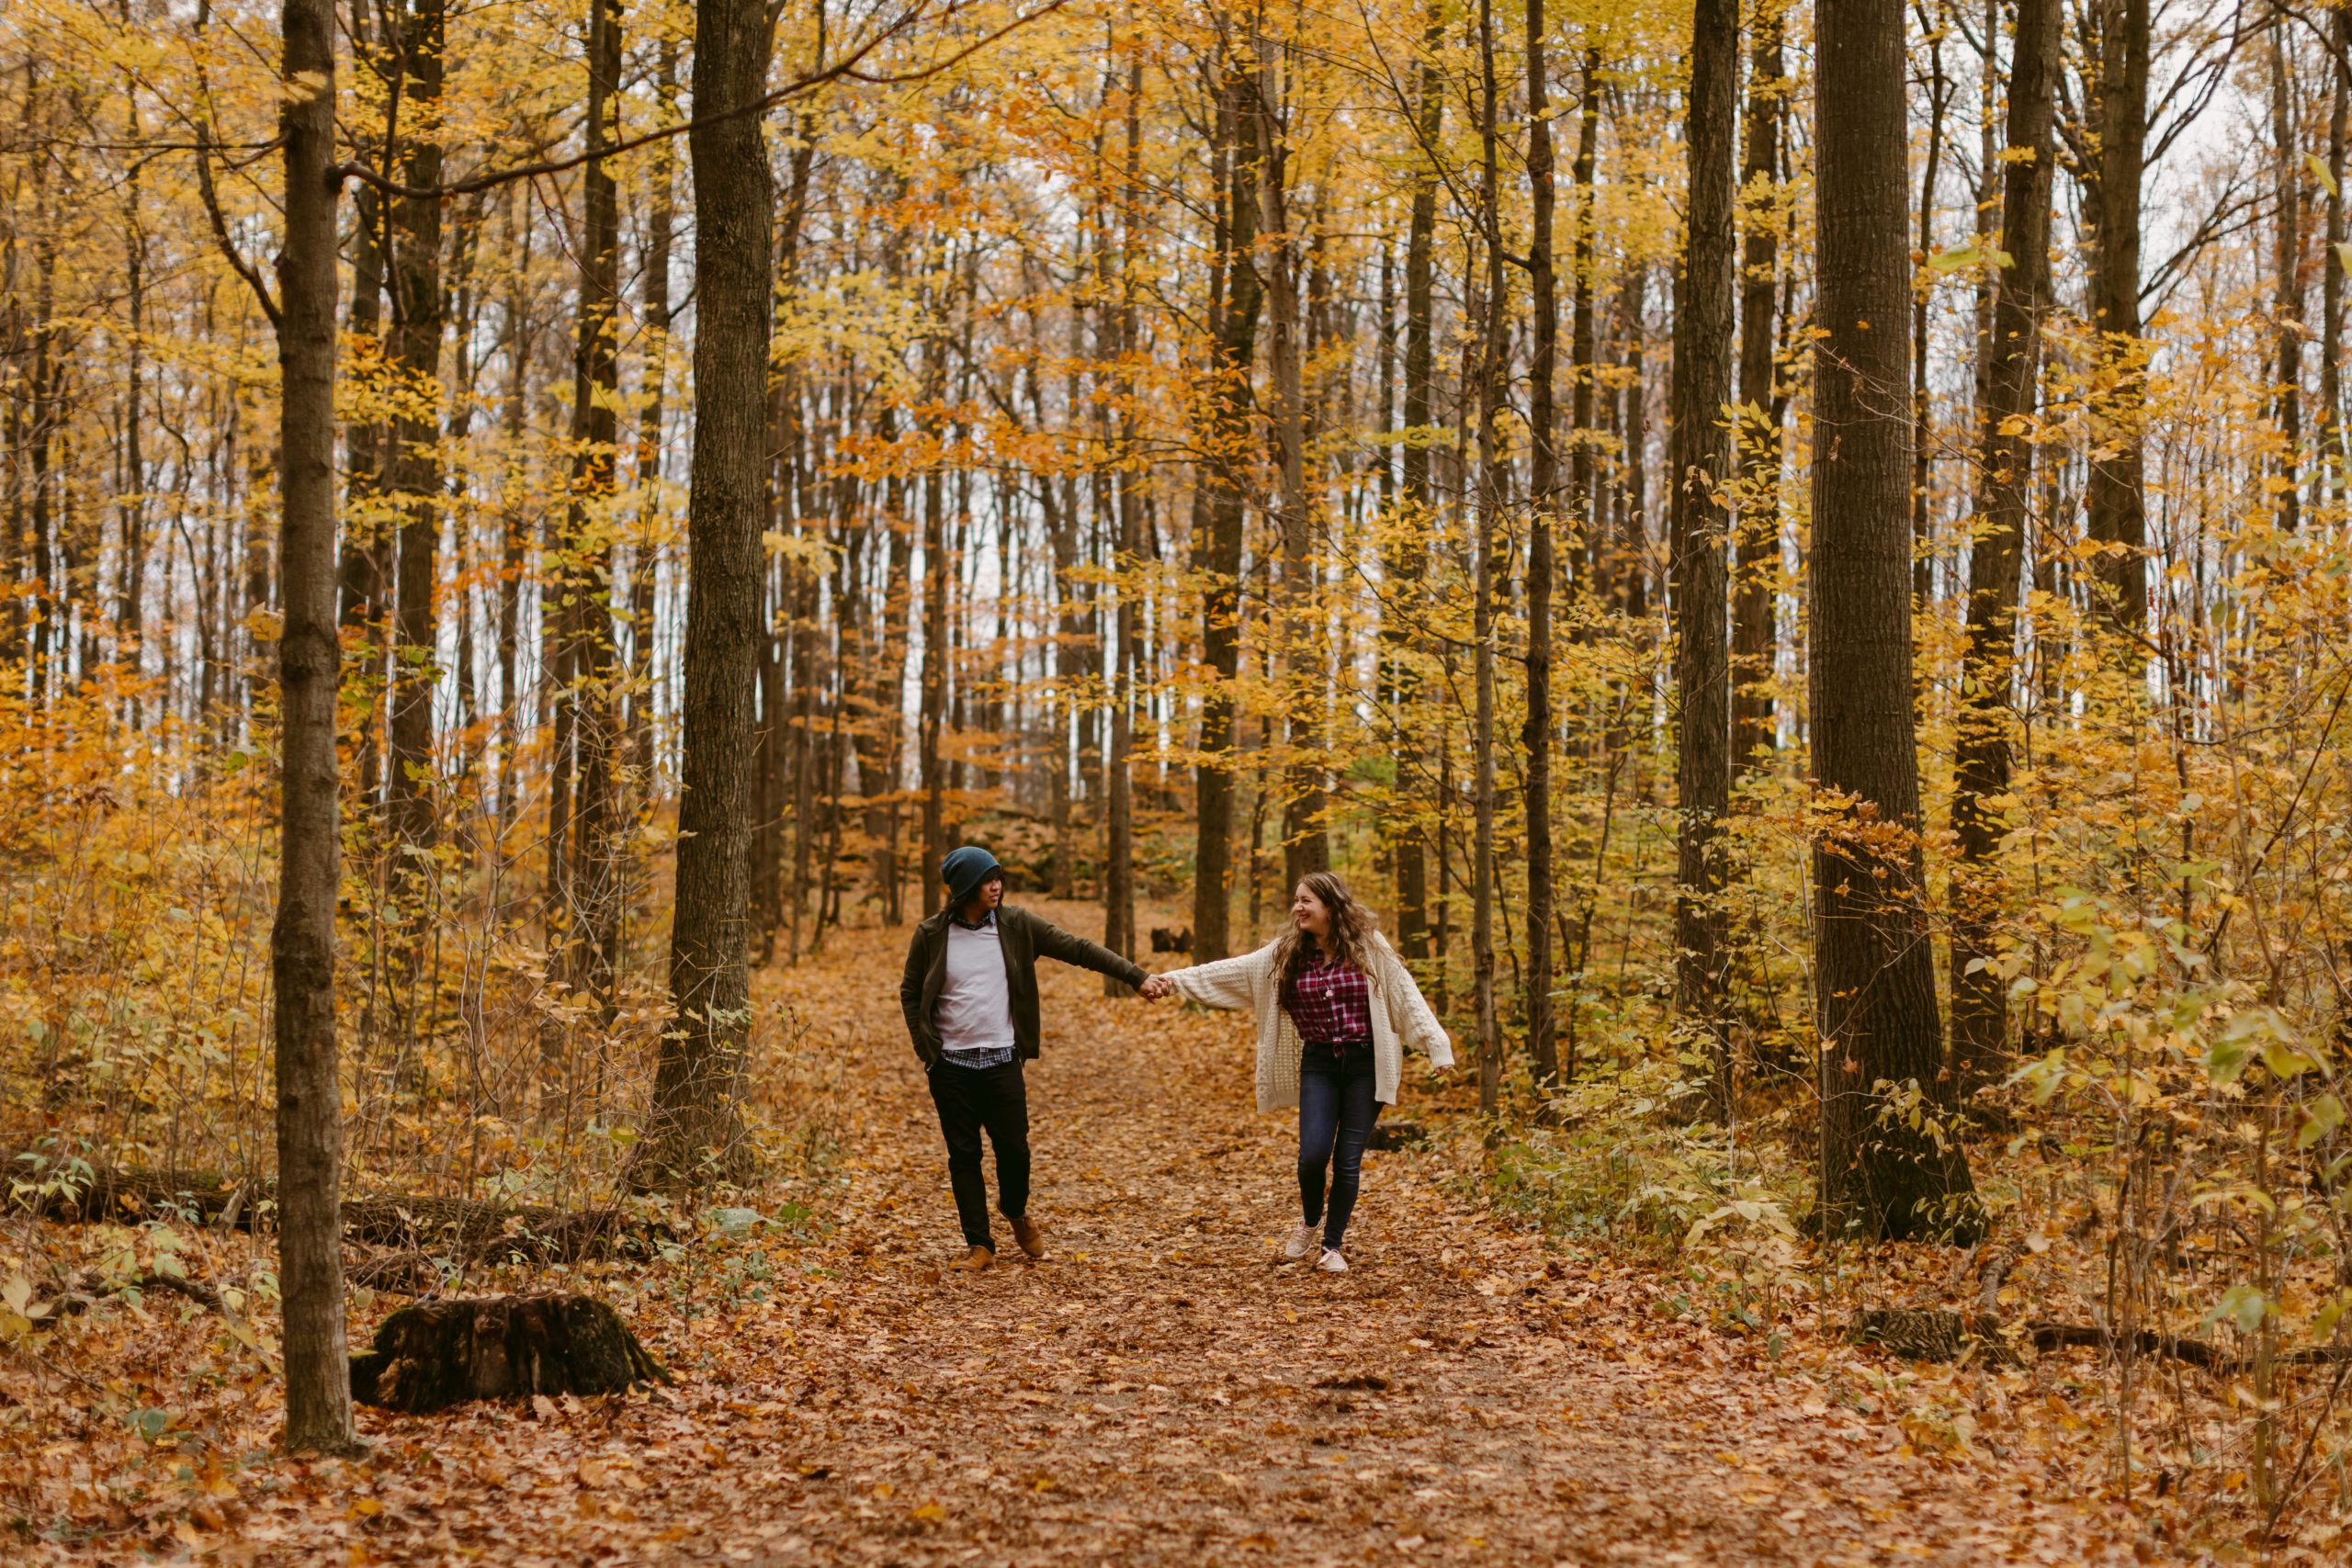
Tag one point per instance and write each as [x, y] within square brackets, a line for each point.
[977, 1259]
[1031, 1236]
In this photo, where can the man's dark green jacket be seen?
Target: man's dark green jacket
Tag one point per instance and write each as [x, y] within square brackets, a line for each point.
[1026, 939]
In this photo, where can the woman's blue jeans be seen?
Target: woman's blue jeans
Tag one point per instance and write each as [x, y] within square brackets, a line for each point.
[1336, 1108]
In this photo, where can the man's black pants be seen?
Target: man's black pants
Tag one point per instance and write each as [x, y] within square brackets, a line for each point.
[971, 1100]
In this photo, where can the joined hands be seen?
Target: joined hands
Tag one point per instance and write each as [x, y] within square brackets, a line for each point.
[1158, 985]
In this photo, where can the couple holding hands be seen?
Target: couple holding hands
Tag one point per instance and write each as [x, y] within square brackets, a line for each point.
[1335, 1007]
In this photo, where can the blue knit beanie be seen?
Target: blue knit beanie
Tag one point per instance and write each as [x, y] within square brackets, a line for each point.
[963, 870]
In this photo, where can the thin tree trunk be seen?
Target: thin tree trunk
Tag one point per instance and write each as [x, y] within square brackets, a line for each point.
[1493, 496]
[654, 304]
[2287, 262]
[2117, 502]
[1880, 1175]
[415, 470]
[2330, 337]
[310, 1096]
[1700, 465]
[1753, 610]
[936, 578]
[697, 1126]
[1923, 578]
[1407, 560]
[587, 570]
[1119, 874]
[1543, 483]
[1979, 995]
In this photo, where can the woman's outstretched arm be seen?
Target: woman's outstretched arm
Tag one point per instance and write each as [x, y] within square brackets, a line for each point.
[1224, 984]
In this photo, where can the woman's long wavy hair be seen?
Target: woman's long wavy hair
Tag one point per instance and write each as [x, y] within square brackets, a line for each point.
[1354, 929]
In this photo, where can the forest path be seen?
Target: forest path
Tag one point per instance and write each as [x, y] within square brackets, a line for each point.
[1163, 1389]
[1160, 1389]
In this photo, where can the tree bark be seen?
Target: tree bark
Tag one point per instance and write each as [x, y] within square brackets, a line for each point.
[1119, 872]
[2117, 499]
[1875, 976]
[1406, 561]
[415, 469]
[1979, 996]
[1306, 842]
[1543, 1046]
[1494, 494]
[309, 1098]
[586, 568]
[2331, 335]
[1699, 461]
[697, 1126]
[937, 578]
[1923, 579]
[1236, 298]
[1753, 609]
[2287, 263]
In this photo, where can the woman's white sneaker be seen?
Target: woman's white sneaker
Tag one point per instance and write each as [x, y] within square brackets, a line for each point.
[1331, 1262]
[1300, 1242]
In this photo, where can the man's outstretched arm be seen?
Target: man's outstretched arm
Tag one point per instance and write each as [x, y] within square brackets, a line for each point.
[1054, 942]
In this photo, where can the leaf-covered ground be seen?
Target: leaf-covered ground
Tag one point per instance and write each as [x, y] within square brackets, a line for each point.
[1159, 1390]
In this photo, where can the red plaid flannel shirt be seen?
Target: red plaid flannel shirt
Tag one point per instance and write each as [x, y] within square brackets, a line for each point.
[1330, 1003]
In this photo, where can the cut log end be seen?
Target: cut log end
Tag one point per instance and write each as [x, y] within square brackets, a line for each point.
[434, 1355]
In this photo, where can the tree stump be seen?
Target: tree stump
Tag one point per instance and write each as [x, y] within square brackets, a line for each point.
[433, 1355]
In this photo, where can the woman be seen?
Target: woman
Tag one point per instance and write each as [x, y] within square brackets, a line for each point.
[1335, 1008]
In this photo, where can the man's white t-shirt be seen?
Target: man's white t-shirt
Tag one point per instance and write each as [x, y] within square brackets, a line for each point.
[974, 1003]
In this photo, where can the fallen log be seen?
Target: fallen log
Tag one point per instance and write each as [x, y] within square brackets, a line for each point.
[398, 1273]
[434, 1354]
[1922, 1334]
[463, 1228]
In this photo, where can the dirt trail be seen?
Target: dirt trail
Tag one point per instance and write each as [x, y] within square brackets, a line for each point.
[1160, 1390]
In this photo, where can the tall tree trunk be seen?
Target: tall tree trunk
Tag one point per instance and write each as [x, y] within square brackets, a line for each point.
[697, 1127]
[1542, 1047]
[415, 469]
[1587, 513]
[1752, 632]
[1879, 1177]
[653, 303]
[2117, 502]
[1305, 842]
[587, 566]
[1923, 426]
[516, 524]
[937, 577]
[1407, 561]
[1630, 584]
[1979, 996]
[2331, 334]
[2287, 263]
[1493, 496]
[1236, 297]
[1699, 461]
[1119, 872]
[302, 943]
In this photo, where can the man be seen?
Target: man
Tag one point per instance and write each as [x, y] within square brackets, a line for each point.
[970, 996]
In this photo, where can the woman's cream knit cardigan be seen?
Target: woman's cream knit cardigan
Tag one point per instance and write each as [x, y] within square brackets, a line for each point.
[1399, 1018]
